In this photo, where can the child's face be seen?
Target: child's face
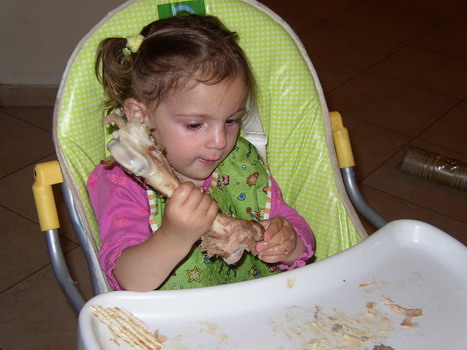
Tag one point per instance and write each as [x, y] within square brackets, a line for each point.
[198, 126]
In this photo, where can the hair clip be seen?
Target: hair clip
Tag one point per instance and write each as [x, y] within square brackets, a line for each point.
[133, 42]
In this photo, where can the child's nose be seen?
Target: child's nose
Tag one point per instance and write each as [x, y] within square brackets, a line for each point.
[218, 139]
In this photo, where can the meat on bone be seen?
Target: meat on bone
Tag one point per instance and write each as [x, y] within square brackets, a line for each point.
[135, 150]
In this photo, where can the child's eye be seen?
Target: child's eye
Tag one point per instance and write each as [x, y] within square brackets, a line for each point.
[232, 121]
[193, 126]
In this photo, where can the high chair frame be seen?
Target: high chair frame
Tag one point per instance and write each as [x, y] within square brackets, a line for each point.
[51, 173]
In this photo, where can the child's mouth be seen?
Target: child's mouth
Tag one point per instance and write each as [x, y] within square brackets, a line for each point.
[208, 161]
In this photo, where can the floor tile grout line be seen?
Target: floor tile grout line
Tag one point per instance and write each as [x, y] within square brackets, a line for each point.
[18, 213]
[365, 71]
[39, 270]
[26, 120]
[433, 123]
[40, 160]
[404, 148]
[413, 138]
[437, 52]
[437, 146]
[404, 45]
[11, 210]
[24, 279]
[382, 164]
[375, 124]
[415, 203]
[442, 20]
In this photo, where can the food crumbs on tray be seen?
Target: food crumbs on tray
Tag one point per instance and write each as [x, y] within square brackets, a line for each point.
[370, 308]
[382, 347]
[370, 329]
[366, 284]
[211, 327]
[290, 282]
[408, 313]
[125, 325]
[387, 300]
[315, 329]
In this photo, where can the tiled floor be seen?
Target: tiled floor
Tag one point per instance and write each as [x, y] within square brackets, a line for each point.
[395, 69]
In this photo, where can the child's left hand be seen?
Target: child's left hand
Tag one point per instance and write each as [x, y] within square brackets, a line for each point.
[280, 243]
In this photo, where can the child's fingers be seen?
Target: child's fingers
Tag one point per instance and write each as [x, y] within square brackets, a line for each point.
[190, 212]
[213, 209]
[191, 197]
[272, 227]
[279, 241]
[276, 254]
[265, 223]
[207, 206]
[278, 248]
[284, 247]
[182, 193]
[270, 241]
[277, 238]
[275, 224]
[271, 258]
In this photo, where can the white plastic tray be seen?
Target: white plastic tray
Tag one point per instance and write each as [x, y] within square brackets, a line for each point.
[409, 262]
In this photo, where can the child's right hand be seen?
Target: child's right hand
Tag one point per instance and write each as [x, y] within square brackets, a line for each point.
[188, 215]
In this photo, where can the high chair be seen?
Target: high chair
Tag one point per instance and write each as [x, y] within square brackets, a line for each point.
[292, 120]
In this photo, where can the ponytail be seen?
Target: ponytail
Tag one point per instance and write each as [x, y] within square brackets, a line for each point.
[113, 70]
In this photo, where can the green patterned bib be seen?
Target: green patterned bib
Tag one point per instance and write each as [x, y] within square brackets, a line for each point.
[241, 185]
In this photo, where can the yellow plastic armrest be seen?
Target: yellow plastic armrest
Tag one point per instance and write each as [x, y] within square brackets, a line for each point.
[341, 141]
[45, 175]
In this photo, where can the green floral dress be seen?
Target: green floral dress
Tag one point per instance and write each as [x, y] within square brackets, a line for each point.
[241, 185]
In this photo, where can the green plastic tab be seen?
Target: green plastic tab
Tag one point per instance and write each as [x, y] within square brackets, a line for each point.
[181, 8]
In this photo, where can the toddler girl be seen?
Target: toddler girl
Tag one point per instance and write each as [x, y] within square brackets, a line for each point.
[188, 79]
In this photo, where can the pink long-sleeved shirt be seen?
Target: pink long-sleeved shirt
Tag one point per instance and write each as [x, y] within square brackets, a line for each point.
[122, 210]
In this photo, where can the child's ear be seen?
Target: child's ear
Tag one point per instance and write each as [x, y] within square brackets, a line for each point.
[135, 109]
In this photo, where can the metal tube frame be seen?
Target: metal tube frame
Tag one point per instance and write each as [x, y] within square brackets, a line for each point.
[357, 200]
[61, 271]
[80, 233]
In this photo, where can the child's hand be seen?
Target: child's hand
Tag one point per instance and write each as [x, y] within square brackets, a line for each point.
[188, 214]
[281, 243]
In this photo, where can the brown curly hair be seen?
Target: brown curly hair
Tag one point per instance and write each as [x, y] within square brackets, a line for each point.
[174, 50]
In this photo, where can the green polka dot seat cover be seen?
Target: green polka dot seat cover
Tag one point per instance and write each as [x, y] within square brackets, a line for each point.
[291, 106]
